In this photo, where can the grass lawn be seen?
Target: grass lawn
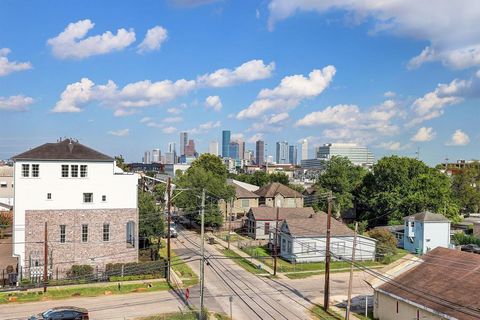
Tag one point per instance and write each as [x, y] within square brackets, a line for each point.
[244, 263]
[318, 312]
[233, 236]
[56, 293]
[182, 269]
[362, 316]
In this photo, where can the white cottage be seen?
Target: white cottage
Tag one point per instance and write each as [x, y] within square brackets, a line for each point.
[425, 231]
[304, 240]
[88, 204]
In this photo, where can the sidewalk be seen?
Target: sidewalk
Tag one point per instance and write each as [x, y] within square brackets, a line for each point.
[224, 244]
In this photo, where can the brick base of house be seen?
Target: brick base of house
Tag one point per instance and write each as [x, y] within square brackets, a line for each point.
[74, 248]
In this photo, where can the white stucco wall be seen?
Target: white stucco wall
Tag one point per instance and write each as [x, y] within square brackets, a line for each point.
[67, 193]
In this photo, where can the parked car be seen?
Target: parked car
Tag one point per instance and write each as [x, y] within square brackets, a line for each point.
[62, 313]
[471, 248]
[173, 232]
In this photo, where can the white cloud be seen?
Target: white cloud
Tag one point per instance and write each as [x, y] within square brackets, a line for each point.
[393, 146]
[257, 14]
[255, 138]
[124, 112]
[449, 26]
[72, 44]
[119, 133]
[7, 67]
[424, 134]
[389, 94]
[177, 110]
[214, 103]
[169, 130]
[291, 91]
[15, 103]
[279, 117]
[433, 103]
[459, 138]
[145, 119]
[348, 123]
[153, 39]
[249, 71]
[205, 127]
[237, 136]
[133, 95]
[172, 119]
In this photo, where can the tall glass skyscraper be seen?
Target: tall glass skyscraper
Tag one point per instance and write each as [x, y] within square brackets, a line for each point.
[234, 151]
[260, 153]
[226, 143]
[183, 142]
[292, 155]
[282, 152]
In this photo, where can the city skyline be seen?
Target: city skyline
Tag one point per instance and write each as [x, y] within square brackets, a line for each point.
[138, 87]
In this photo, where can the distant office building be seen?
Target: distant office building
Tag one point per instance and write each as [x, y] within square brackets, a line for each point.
[190, 149]
[358, 155]
[155, 155]
[241, 149]
[269, 159]
[172, 148]
[225, 143]
[234, 150]
[170, 158]
[260, 152]
[314, 164]
[282, 152]
[304, 149]
[292, 155]
[146, 157]
[213, 148]
[183, 142]
[248, 155]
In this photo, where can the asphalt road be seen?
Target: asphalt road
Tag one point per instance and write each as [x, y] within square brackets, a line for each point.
[253, 297]
[256, 297]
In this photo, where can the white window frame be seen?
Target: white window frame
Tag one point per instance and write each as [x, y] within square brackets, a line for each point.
[64, 171]
[63, 233]
[83, 171]
[106, 232]
[25, 170]
[35, 170]
[74, 170]
[85, 195]
[84, 232]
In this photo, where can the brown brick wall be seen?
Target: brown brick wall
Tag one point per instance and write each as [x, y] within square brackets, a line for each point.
[95, 251]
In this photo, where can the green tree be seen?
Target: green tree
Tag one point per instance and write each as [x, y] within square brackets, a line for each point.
[210, 163]
[203, 175]
[386, 245]
[151, 224]
[343, 178]
[401, 186]
[121, 163]
[278, 177]
[466, 188]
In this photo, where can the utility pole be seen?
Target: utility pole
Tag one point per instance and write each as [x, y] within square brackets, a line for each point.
[202, 252]
[45, 260]
[327, 255]
[230, 223]
[349, 299]
[276, 244]
[169, 221]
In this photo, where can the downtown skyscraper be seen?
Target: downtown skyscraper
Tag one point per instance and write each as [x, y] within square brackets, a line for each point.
[260, 152]
[225, 143]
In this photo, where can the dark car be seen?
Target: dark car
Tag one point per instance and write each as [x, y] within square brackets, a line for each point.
[62, 313]
[471, 248]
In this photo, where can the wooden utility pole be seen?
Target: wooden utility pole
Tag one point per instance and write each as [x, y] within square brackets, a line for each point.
[45, 260]
[275, 249]
[230, 223]
[169, 221]
[326, 298]
[202, 252]
[349, 299]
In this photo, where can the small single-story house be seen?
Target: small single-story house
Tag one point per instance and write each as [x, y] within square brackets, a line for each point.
[278, 195]
[244, 200]
[262, 221]
[425, 231]
[304, 240]
[442, 285]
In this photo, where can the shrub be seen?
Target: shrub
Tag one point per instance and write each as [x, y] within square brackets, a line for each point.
[462, 238]
[80, 271]
[136, 268]
[386, 245]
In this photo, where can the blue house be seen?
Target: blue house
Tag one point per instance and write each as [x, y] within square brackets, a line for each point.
[425, 231]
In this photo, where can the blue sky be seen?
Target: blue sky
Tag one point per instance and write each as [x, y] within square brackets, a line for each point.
[127, 76]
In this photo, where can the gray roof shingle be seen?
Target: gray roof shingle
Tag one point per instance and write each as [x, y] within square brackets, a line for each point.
[274, 188]
[67, 149]
[270, 213]
[427, 216]
[316, 226]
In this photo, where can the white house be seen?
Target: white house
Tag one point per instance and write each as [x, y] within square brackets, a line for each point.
[261, 221]
[87, 202]
[6, 188]
[425, 231]
[304, 240]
